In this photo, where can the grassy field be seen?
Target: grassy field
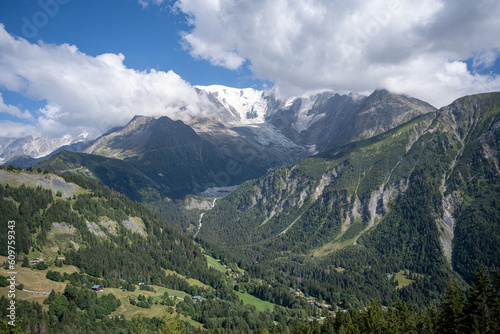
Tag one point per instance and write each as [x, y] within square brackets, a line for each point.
[128, 311]
[215, 264]
[259, 304]
[158, 292]
[191, 281]
[403, 280]
[46, 181]
[35, 280]
[333, 246]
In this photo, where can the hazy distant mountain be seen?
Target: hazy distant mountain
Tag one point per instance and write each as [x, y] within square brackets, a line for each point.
[35, 147]
[25, 161]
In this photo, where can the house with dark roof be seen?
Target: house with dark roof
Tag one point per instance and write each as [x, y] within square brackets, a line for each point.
[197, 298]
[97, 288]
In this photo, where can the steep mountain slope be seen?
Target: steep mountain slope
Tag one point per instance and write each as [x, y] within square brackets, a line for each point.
[119, 175]
[328, 120]
[279, 130]
[414, 197]
[167, 154]
[130, 242]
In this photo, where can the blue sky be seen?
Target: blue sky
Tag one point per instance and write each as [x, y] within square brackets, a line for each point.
[67, 65]
[148, 37]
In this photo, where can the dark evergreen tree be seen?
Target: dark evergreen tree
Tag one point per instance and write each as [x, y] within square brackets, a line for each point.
[451, 313]
[482, 306]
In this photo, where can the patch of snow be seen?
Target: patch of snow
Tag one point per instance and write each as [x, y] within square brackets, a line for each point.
[304, 117]
[247, 104]
[267, 134]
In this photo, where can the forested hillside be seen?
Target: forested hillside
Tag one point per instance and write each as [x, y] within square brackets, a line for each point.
[422, 197]
[132, 243]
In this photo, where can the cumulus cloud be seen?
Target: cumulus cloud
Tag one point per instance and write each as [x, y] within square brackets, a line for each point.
[418, 48]
[17, 130]
[85, 93]
[13, 110]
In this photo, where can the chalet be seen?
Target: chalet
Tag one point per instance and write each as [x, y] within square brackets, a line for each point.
[141, 284]
[132, 298]
[36, 261]
[309, 300]
[197, 298]
[97, 288]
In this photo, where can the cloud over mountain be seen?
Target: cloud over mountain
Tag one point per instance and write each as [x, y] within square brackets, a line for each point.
[418, 48]
[86, 93]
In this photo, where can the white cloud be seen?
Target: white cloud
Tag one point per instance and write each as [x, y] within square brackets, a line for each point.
[16, 130]
[351, 45]
[13, 110]
[485, 59]
[88, 94]
[146, 3]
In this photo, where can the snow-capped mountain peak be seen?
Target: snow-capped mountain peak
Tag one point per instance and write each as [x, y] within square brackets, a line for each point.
[247, 105]
[34, 146]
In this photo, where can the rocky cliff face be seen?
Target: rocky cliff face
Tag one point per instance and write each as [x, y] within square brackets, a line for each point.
[330, 120]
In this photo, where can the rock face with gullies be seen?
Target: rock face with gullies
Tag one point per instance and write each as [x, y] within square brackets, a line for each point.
[329, 120]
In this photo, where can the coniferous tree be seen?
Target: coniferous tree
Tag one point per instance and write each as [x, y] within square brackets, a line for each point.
[139, 327]
[451, 313]
[26, 262]
[172, 325]
[482, 305]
